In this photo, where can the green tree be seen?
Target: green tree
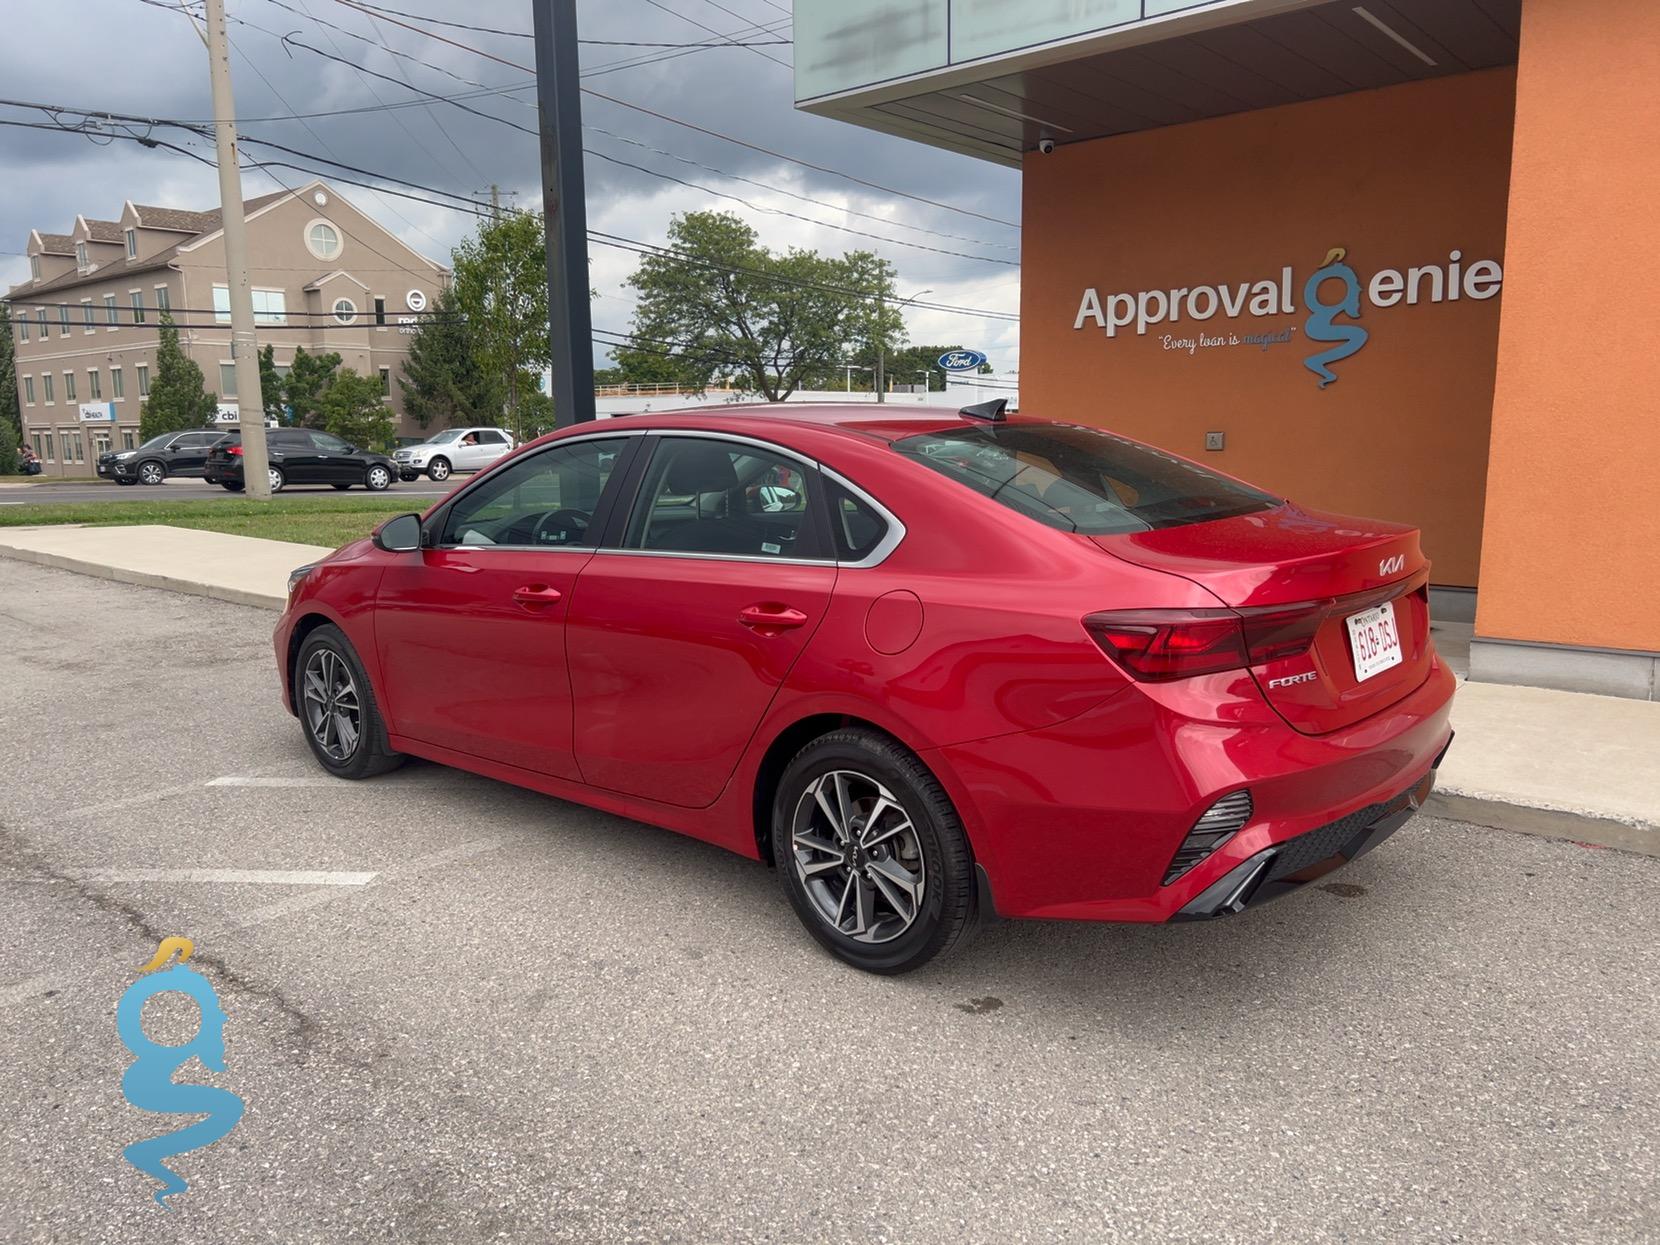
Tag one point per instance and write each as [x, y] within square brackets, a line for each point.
[270, 385]
[443, 381]
[9, 412]
[178, 396]
[309, 377]
[8, 448]
[501, 288]
[354, 407]
[724, 305]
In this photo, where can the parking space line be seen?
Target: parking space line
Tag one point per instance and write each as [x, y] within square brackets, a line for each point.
[252, 780]
[257, 877]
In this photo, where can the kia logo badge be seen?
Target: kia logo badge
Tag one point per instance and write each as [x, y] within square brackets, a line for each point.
[1392, 566]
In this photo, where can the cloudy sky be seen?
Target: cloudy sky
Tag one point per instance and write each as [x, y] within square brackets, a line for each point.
[137, 57]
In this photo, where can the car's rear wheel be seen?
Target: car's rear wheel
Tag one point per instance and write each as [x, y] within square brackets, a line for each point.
[230, 486]
[439, 469]
[151, 473]
[277, 479]
[377, 478]
[342, 487]
[871, 854]
[337, 708]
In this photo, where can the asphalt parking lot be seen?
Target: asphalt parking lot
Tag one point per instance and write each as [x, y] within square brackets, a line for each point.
[538, 1022]
[59, 493]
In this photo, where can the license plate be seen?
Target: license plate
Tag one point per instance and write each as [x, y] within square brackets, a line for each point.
[1374, 641]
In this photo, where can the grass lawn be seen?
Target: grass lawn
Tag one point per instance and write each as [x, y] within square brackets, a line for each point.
[330, 521]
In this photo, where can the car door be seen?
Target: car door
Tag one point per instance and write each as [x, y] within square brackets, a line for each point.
[471, 630]
[187, 453]
[680, 637]
[491, 446]
[470, 453]
[293, 452]
[337, 463]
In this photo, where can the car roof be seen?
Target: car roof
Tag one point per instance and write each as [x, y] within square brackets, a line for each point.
[883, 422]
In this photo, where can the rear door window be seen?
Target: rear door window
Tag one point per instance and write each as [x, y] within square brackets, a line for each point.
[1081, 479]
[726, 499]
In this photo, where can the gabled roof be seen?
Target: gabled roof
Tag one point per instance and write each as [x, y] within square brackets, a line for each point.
[55, 243]
[101, 230]
[323, 280]
[177, 220]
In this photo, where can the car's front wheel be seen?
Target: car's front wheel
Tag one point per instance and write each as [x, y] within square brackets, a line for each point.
[871, 854]
[230, 486]
[151, 473]
[119, 480]
[439, 470]
[377, 478]
[337, 708]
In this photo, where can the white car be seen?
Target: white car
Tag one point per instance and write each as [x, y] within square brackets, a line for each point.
[454, 449]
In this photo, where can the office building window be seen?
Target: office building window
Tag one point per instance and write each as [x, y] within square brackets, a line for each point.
[34, 268]
[138, 306]
[270, 306]
[94, 384]
[81, 260]
[163, 301]
[143, 370]
[132, 244]
[345, 310]
[40, 317]
[111, 316]
[63, 319]
[34, 440]
[227, 380]
[386, 381]
[23, 328]
[100, 444]
[89, 320]
[73, 448]
[129, 438]
[29, 390]
[380, 311]
[118, 387]
[69, 387]
[46, 388]
[322, 239]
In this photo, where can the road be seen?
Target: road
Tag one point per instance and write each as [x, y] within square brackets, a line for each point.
[536, 1022]
[56, 494]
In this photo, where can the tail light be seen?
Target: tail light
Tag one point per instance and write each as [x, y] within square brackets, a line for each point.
[1219, 823]
[1159, 645]
[234, 450]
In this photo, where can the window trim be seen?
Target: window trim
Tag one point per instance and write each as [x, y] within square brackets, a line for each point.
[339, 239]
[69, 395]
[135, 299]
[344, 321]
[83, 258]
[29, 390]
[130, 237]
[94, 385]
[118, 384]
[112, 312]
[89, 316]
[141, 375]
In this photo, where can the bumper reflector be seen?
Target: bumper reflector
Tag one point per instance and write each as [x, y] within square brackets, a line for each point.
[1220, 822]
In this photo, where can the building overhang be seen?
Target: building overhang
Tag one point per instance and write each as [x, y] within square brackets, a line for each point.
[996, 81]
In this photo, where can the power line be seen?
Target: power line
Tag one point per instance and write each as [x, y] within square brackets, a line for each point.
[721, 34]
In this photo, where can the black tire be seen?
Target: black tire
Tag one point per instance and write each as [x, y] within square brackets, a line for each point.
[127, 483]
[438, 470]
[370, 754]
[342, 487]
[278, 479]
[376, 479]
[230, 486]
[945, 917]
[151, 472]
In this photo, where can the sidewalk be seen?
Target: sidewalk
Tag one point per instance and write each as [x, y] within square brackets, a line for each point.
[1562, 764]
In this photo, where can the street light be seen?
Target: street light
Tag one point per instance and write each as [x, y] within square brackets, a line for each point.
[882, 342]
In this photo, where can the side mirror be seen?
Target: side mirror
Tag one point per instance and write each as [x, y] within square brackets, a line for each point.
[399, 534]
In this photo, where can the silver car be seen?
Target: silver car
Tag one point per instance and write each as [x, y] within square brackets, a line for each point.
[454, 449]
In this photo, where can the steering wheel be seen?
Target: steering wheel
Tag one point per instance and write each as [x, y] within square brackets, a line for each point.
[571, 525]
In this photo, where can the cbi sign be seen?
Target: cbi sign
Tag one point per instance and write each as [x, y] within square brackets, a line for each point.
[961, 360]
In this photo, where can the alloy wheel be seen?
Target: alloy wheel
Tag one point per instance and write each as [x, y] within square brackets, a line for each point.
[275, 477]
[858, 856]
[150, 473]
[440, 470]
[379, 478]
[333, 713]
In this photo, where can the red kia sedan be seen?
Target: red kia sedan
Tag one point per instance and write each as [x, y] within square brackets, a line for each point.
[931, 667]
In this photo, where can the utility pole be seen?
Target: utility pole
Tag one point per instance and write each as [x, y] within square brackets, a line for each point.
[564, 211]
[250, 403]
[881, 348]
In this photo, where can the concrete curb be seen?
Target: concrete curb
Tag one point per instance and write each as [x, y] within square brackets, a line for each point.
[1547, 823]
[146, 579]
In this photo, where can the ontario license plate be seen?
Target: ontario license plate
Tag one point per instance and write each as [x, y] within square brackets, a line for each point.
[1373, 639]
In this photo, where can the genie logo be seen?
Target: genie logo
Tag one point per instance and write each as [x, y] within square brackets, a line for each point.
[961, 360]
[1322, 325]
[148, 1083]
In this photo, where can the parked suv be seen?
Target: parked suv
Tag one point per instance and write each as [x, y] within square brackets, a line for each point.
[454, 449]
[301, 456]
[171, 454]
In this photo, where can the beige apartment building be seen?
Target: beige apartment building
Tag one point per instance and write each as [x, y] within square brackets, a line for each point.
[324, 275]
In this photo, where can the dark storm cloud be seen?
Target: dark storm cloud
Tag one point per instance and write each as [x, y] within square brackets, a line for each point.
[136, 58]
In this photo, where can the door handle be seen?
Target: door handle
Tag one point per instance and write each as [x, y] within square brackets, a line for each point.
[536, 595]
[768, 619]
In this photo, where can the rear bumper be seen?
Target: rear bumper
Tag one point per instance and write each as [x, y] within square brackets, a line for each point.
[222, 473]
[1080, 821]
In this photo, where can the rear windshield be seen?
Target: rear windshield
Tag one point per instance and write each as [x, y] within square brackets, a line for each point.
[1082, 479]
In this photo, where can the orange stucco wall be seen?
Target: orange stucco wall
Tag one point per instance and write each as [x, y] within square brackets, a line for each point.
[1573, 505]
[1400, 177]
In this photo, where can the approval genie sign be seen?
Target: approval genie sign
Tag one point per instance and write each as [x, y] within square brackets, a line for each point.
[1333, 292]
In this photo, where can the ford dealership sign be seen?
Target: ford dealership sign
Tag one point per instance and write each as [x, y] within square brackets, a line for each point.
[961, 360]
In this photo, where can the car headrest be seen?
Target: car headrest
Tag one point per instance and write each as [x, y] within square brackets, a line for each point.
[700, 467]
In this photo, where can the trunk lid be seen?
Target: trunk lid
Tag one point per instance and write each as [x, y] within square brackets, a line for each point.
[1337, 566]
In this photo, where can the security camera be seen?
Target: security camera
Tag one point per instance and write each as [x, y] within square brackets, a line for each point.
[1046, 145]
